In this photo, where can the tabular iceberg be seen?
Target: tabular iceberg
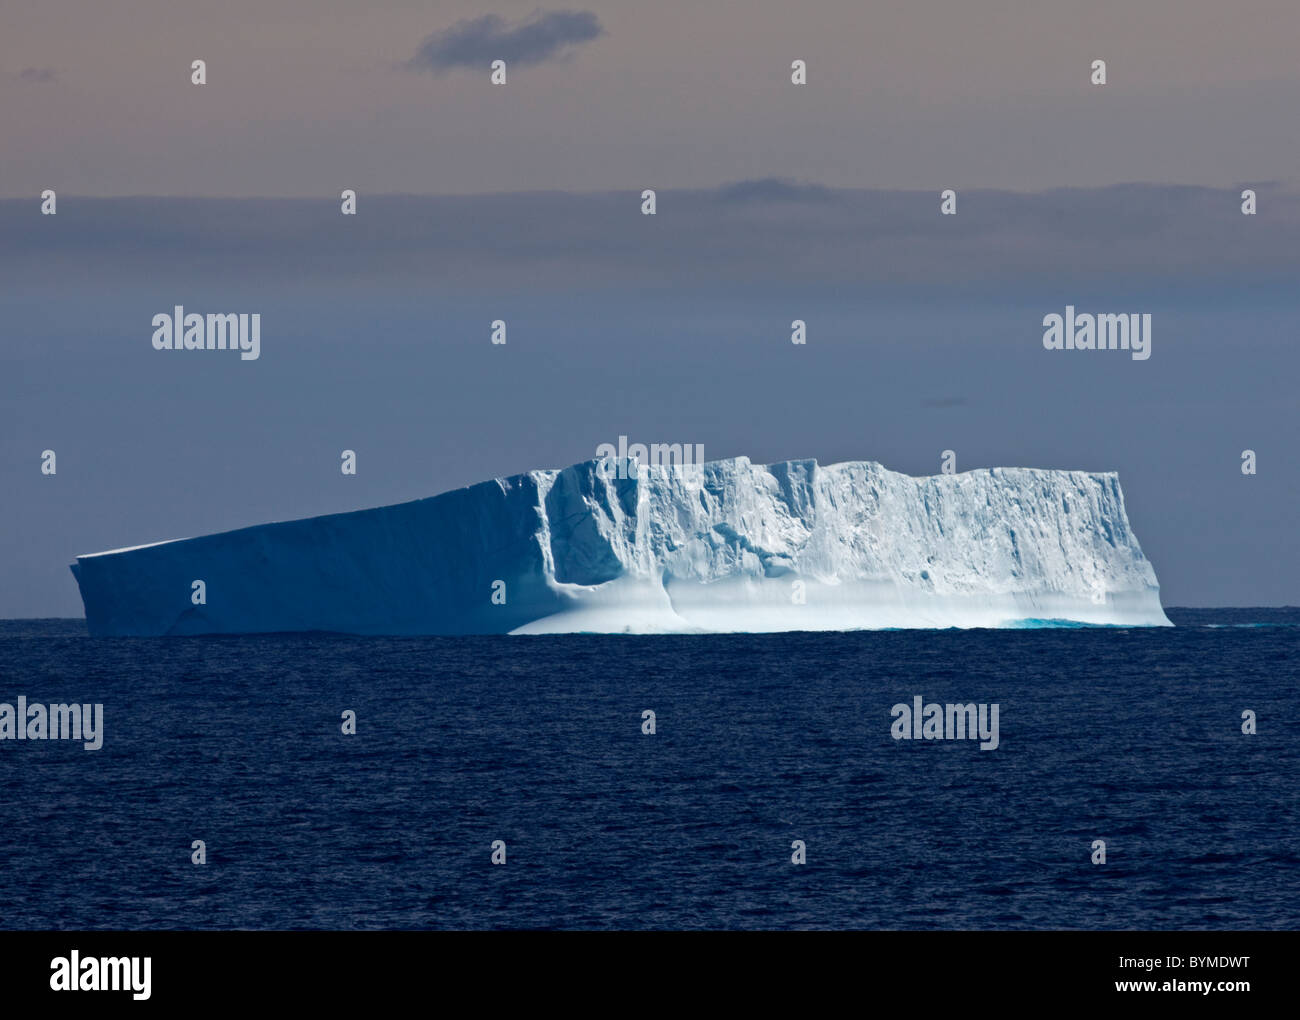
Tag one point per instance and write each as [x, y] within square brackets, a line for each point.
[727, 546]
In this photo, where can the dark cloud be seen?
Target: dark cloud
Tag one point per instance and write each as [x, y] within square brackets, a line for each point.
[941, 402]
[40, 75]
[478, 41]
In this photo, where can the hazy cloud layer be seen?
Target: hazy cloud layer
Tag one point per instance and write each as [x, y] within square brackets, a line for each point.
[758, 233]
[773, 189]
[476, 42]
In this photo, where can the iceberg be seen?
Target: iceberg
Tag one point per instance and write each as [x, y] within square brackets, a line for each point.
[727, 546]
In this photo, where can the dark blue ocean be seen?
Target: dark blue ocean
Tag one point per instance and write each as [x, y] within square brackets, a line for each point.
[1131, 736]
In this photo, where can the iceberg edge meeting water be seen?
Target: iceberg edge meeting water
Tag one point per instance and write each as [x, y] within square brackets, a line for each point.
[728, 546]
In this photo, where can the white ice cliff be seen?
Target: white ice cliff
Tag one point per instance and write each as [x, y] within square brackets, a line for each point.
[730, 546]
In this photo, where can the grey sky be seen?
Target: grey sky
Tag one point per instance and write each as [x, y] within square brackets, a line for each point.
[924, 335]
[478, 202]
[305, 97]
